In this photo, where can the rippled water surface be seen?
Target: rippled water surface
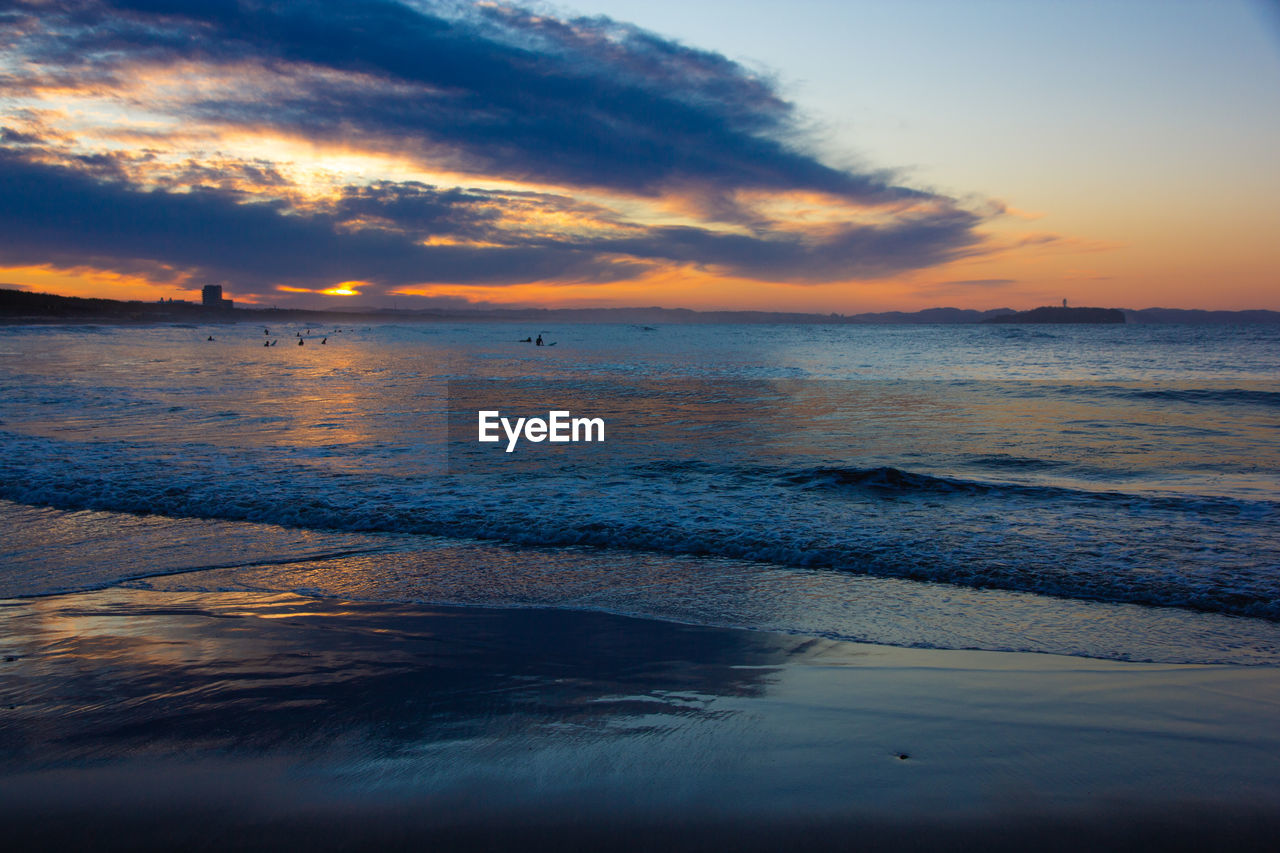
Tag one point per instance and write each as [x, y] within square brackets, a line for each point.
[1130, 466]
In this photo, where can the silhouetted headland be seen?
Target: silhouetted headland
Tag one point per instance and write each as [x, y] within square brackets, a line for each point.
[20, 306]
[1054, 314]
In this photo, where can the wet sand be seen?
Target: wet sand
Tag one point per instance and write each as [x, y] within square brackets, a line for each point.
[133, 718]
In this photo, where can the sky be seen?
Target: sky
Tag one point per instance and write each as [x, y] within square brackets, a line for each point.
[813, 156]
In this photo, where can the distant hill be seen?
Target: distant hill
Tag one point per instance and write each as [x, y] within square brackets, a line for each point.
[932, 315]
[1197, 316]
[685, 315]
[1051, 314]
[20, 306]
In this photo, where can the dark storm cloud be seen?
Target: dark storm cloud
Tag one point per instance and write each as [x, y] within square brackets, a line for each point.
[419, 208]
[14, 137]
[853, 252]
[59, 215]
[498, 92]
[585, 102]
[226, 175]
[70, 216]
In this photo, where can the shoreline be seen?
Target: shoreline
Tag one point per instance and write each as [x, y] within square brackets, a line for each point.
[23, 307]
[177, 554]
[257, 714]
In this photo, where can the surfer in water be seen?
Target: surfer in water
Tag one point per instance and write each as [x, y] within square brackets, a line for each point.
[536, 343]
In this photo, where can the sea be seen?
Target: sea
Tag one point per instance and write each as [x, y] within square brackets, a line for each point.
[1100, 491]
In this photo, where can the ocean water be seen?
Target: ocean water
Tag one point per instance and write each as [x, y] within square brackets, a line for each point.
[1108, 491]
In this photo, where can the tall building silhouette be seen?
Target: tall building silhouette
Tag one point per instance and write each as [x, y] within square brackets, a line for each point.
[211, 297]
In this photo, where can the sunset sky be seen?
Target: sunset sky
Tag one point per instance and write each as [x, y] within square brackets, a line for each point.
[818, 156]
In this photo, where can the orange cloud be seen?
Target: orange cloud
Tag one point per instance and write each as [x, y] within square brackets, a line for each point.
[94, 283]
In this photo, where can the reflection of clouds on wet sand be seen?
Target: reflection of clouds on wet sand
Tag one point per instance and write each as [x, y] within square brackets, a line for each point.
[168, 714]
[118, 671]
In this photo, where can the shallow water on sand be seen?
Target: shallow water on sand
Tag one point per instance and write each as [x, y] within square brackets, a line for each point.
[254, 706]
[186, 555]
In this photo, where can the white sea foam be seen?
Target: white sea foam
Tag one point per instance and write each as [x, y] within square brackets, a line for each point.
[87, 550]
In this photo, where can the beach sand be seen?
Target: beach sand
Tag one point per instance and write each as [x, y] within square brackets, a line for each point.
[152, 718]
